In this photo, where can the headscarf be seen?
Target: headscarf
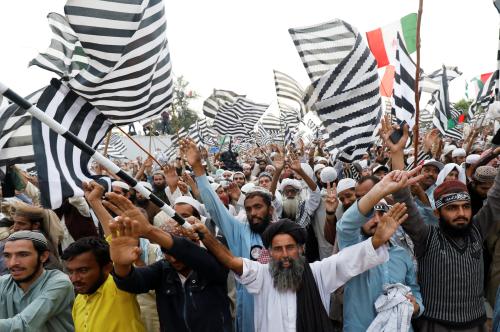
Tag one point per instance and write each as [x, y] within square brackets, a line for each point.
[447, 169]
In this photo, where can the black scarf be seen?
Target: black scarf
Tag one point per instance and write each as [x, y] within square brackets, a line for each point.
[311, 314]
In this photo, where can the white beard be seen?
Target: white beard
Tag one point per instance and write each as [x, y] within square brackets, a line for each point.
[290, 207]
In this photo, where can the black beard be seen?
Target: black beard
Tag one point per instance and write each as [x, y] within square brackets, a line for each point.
[29, 278]
[161, 187]
[260, 227]
[454, 231]
[287, 279]
[142, 202]
[98, 283]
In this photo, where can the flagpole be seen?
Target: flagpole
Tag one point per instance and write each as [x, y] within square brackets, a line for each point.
[140, 147]
[106, 145]
[97, 156]
[417, 78]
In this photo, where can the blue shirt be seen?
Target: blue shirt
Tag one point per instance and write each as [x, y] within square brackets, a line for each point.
[241, 241]
[362, 291]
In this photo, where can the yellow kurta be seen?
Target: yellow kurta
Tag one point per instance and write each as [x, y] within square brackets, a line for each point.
[108, 309]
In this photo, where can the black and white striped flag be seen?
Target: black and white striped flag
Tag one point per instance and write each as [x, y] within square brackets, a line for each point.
[432, 82]
[271, 122]
[289, 116]
[62, 166]
[322, 47]
[128, 76]
[217, 99]
[16, 144]
[346, 98]
[404, 86]
[116, 147]
[439, 119]
[65, 55]
[485, 95]
[262, 135]
[238, 119]
[289, 90]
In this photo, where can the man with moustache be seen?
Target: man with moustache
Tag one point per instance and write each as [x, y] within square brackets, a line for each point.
[32, 298]
[159, 185]
[243, 238]
[100, 305]
[290, 294]
[450, 254]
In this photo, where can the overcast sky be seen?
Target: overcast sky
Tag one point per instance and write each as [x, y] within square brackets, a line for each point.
[235, 44]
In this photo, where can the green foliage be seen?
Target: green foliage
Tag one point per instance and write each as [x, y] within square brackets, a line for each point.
[181, 115]
[463, 105]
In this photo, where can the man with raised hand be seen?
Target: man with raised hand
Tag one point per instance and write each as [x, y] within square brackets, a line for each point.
[243, 238]
[289, 293]
[449, 255]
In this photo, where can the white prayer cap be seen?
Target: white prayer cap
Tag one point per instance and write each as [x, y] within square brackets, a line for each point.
[247, 187]
[290, 182]
[363, 163]
[319, 159]
[472, 159]
[215, 186]
[317, 167]
[189, 200]
[458, 153]
[449, 148]
[344, 184]
[328, 174]
[147, 185]
[120, 184]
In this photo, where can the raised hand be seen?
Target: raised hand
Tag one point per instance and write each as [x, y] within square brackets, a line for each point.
[387, 129]
[431, 139]
[183, 187]
[331, 200]
[93, 191]
[389, 223]
[188, 180]
[123, 207]
[233, 191]
[123, 247]
[149, 162]
[279, 161]
[397, 180]
[169, 170]
[190, 151]
[294, 162]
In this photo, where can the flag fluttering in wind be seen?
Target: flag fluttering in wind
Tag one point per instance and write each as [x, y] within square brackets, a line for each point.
[322, 46]
[62, 166]
[127, 70]
[290, 94]
[432, 82]
[238, 119]
[15, 135]
[346, 94]
[383, 41]
[116, 147]
[218, 99]
[485, 95]
[404, 86]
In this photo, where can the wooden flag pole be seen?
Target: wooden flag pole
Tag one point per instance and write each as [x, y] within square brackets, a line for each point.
[140, 146]
[106, 144]
[417, 78]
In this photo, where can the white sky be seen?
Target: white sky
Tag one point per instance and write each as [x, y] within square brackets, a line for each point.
[235, 44]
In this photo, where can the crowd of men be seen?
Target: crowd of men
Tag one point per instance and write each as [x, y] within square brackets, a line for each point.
[280, 238]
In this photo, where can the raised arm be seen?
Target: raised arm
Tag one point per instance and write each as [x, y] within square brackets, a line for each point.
[94, 193]
[217, 249]
[415, 225]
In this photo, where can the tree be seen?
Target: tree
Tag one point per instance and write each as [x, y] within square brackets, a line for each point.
[182, 116]
[463, 105]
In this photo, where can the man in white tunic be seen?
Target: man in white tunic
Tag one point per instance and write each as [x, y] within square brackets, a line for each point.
[289, 294]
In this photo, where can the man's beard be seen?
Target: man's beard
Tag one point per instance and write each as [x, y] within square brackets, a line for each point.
[260, 227]
[159, 187]
[31, 276]
[98, 283]
[290, 278]
[290, 207]
[143, 202]
[454, 231]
